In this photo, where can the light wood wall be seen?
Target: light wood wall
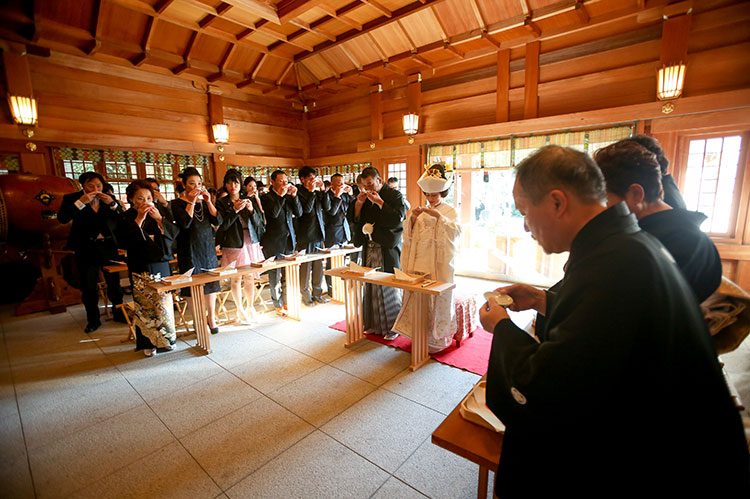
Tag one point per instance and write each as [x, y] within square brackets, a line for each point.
[90, 104]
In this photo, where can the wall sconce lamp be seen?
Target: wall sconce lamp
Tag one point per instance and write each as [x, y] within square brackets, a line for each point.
[670, 81]
[411, 125]
[24, 112]
[221, 134]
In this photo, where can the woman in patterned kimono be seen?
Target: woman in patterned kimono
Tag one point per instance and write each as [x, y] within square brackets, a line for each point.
[194, 214]
[431, 237]
[146, 233]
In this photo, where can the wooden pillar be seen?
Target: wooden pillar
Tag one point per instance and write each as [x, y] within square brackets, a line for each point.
[531, 88]
[17, 73]
[376, 112]
[674, 39]
[502, 108]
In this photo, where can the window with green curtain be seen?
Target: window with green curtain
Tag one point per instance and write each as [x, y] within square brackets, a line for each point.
[494, 243]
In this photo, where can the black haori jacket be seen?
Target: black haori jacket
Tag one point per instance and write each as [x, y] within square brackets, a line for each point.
[625, 394]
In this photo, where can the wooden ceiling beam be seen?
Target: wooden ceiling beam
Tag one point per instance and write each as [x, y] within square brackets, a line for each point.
[262, 9]
[145, 8]
[378, 48]
[478, 14]
[329, 64]
[223, 64]
[351, 57]
[582, 13]
[532, 27]
[450, 48]
[306, 27]
[289, 9]
[439, 22]
[378, 6]
[421, 60]
[284, 74]
[96, 45]
[331, 12]
[397, 14]
[486, 36]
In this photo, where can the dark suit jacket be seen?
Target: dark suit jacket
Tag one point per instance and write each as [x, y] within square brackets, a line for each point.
[279, 236]
[230, 234]
[672, 195]
[88, 224]
[310, 226]
[336, 223]
[625, 384]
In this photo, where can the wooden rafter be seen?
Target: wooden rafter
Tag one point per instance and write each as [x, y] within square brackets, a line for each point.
[260, 8]
[263, 27]
[439, 22]
[296, 76]
[329, 64]
[532, 27]
[421, 60]
[147, 38]
[145, 8]
[351, 57]
[289, 9]
[285, 73]
[397, 14]
[412, 45]
[98, 28]
[486, 36]
[378, 48]
[377, 5]
[309, 73]
[450, 48]
[582, 13]
[162, 6]
[306, 27]
[478, 14]
[331, 12]
[223, 64]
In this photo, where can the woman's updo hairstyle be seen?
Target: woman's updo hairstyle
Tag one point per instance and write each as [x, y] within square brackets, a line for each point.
[136, 186]
[189, 172]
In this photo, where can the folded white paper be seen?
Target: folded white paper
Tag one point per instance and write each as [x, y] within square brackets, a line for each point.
[359, 270]
[226, 270]
[181, 278]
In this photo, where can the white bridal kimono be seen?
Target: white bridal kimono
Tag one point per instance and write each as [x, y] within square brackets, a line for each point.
[430, 246]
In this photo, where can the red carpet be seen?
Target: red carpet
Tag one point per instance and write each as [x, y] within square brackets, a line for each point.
[473, 355]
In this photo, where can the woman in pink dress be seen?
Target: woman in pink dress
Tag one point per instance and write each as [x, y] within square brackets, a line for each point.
[239, 236]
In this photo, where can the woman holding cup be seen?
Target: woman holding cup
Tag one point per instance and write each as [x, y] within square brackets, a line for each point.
[239, 237]
[194, 213]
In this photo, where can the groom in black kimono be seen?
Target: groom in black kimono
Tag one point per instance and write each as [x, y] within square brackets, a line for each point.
[384, 208]
[624, 394]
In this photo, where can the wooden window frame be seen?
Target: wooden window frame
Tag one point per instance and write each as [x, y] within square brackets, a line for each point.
[739, 225]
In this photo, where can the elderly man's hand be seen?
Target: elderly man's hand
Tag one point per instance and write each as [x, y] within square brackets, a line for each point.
[490, 314]
[525, 297]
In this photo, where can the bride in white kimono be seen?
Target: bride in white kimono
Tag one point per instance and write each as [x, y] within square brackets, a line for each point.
[430, 242]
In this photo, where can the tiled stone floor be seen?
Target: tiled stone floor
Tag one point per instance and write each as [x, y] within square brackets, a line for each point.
[279, 409]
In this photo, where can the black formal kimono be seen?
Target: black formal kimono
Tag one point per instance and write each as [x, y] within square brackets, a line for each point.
[625, 394]
[92, 238]
[672, 195]
[695, 253]
[196, 248]
[381, 304]
[279, 237]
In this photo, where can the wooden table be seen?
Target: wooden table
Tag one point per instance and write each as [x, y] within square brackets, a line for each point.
[470, 441]
[354, 316]
[293, 293]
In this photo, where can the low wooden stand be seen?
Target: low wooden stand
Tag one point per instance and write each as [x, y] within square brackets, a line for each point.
[354, 314]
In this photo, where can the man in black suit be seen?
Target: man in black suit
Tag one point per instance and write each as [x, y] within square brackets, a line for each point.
[280, 204]
[337, 231]
[311, 231]
[92, 238]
